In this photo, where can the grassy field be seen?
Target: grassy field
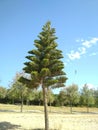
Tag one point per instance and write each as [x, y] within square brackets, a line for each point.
[60, 118]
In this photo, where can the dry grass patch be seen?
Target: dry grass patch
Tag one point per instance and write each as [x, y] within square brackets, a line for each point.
[31, 121]
[32, 118]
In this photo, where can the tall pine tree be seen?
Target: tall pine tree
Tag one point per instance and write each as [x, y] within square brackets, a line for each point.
[45, 67]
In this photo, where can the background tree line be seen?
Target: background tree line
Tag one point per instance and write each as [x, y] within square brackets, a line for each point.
[71, 96]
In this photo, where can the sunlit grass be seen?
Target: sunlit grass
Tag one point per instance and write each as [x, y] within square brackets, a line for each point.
[18, 106]
[60, 118]
[9, 107]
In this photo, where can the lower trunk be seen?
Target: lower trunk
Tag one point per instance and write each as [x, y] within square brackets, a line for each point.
[87, 109]
[70, 107]
[45, 108]
[13, 101]
[21, 104]
[39, 102]
[27, 102]
[50, 106]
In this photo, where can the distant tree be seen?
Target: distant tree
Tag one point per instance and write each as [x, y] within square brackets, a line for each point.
[87, 96]
[56, 100]
[45, 66]
[62, 98]
[3, 92]
[29, 95]
[12, 94]
[19, 91]
[39, 97]
[96, 97]
[50, 97]
[71, 95]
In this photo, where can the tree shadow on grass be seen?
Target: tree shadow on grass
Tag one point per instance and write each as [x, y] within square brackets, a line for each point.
[8, 126]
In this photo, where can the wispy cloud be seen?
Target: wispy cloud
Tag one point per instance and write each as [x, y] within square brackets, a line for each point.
[74, 55]
[80, 40]
[90, 85]
[77, 54]
[93, 54]
[85, 44]
[82, 50]
[90, 43]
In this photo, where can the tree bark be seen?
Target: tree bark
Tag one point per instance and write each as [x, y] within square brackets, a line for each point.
[45, 107]
[21, 103]
[27, 102]
[71, 107]
[87, 108]
[50, 106]
[13, 101]
[87, 104]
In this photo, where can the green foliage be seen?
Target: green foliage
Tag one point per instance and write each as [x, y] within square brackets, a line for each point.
[69, 95]
[44, 61]
[87, 96]
[96, 97]
[72, 94]
[50, 97]
[39, 96]
[19, 91]
[62, 98]
[35, 97]
[3, 92]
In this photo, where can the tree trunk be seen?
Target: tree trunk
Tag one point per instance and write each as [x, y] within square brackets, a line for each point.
[13, 101]
[45, 107]
[21, 103]
[87, 108]
[71, 107]
[39, 102]
[27, 102]
[50, 106]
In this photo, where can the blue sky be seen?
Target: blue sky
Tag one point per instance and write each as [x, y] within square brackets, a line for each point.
[76, 24]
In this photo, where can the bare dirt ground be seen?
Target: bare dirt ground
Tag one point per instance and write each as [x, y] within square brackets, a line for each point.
[34, 120]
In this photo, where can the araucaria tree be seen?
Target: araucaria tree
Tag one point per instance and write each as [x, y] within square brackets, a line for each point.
[45, 67]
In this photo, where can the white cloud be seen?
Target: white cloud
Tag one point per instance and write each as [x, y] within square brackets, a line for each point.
[82, 49]
[74, 55]
[80, 40]
[86, 44]
[90, 86]
[93, 54]
[90, 43]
